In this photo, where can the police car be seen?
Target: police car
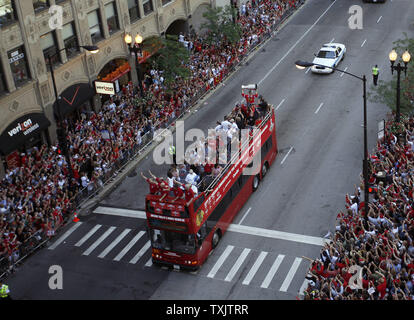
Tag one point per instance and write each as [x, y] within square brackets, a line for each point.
[329, 55]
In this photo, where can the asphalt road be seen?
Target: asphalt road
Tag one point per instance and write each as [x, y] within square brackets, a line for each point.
[320, 139]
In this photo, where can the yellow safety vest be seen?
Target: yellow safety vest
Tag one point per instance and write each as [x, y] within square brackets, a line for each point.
[172, 150]
[3, 291]
[375, 71]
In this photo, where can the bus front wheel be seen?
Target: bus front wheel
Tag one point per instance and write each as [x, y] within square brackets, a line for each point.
[264, 169]
[216, 239]
[256, 181]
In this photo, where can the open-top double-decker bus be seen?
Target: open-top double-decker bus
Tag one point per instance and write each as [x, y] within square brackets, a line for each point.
[182, 232]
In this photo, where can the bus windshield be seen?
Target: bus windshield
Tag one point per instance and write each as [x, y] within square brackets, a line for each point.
[174, 241]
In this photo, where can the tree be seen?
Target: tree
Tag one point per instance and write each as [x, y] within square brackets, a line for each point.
[386, 91]
[220, 25]
[169, 56]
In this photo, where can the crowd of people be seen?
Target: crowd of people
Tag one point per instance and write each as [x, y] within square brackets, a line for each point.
[371, 254]
[34, 196]
[38, 195]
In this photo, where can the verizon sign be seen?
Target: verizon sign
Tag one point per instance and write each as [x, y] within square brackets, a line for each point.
[104, 87]
[24, 127]
[27, 127]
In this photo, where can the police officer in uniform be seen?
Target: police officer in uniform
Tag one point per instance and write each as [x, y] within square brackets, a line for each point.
[172, 153]
[375, 72]
[4, 292]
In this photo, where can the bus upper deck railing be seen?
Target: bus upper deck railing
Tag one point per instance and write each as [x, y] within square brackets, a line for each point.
[236, 156]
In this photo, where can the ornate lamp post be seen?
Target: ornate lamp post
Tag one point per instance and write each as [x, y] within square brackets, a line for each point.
[135, 49]
[302, 65]
[406, 57]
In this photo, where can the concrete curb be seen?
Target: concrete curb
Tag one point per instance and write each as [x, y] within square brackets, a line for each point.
[87, 207]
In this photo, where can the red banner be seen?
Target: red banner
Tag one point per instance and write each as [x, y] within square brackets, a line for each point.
[13, 160]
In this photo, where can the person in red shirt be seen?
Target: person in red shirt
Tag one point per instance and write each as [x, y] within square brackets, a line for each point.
[189, 194]
[165, 190]
[208, 167]
[382, 287]
[178, 192]
[154, 187]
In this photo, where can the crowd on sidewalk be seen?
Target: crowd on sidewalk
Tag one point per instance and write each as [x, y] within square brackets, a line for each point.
[37, 195]
[371, 255]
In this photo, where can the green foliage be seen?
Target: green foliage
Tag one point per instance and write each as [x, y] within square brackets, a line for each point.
[220, 25]
[171, 57]
[386, 91]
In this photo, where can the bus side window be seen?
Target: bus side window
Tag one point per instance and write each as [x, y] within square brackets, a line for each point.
[198, 202]
[240, 181]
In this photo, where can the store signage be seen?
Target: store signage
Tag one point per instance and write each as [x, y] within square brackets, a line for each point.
[117, 85]
[104, 87]
[15, 56]
[22, 130]
[24, 127]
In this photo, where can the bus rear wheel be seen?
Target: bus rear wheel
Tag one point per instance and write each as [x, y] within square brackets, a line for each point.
[216, 239]
[256, 182]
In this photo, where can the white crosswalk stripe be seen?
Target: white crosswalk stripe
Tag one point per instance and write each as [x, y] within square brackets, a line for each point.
[149, 263]
[237, 258]
[220, 261]
[303, 287]
[65, 235]
[114, 243]
[129, 246]
[98, 242]
[141, 252]
[272, 271]
[88, 235]
[291, 273]
[255, 267]
[237, 265]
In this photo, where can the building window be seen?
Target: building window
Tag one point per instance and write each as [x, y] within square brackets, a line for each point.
[133, 9]
[111, 17]
[164, 2]
[95, 26]
[7, 12]
[49, 47]
[18, 66]
[148, 8]
[70, 40]
[39, 5]
[3, 87]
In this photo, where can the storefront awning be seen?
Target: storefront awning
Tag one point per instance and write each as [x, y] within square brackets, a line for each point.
[72, 98]
[21, 130]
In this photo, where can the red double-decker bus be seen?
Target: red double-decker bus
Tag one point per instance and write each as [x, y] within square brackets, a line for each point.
[182, 236]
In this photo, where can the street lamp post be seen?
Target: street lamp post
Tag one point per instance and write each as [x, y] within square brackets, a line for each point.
[406, 58]
[61, 132]
[136, 49]
[302, 65]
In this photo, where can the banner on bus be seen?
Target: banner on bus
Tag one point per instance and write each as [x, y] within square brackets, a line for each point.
[104, 87]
